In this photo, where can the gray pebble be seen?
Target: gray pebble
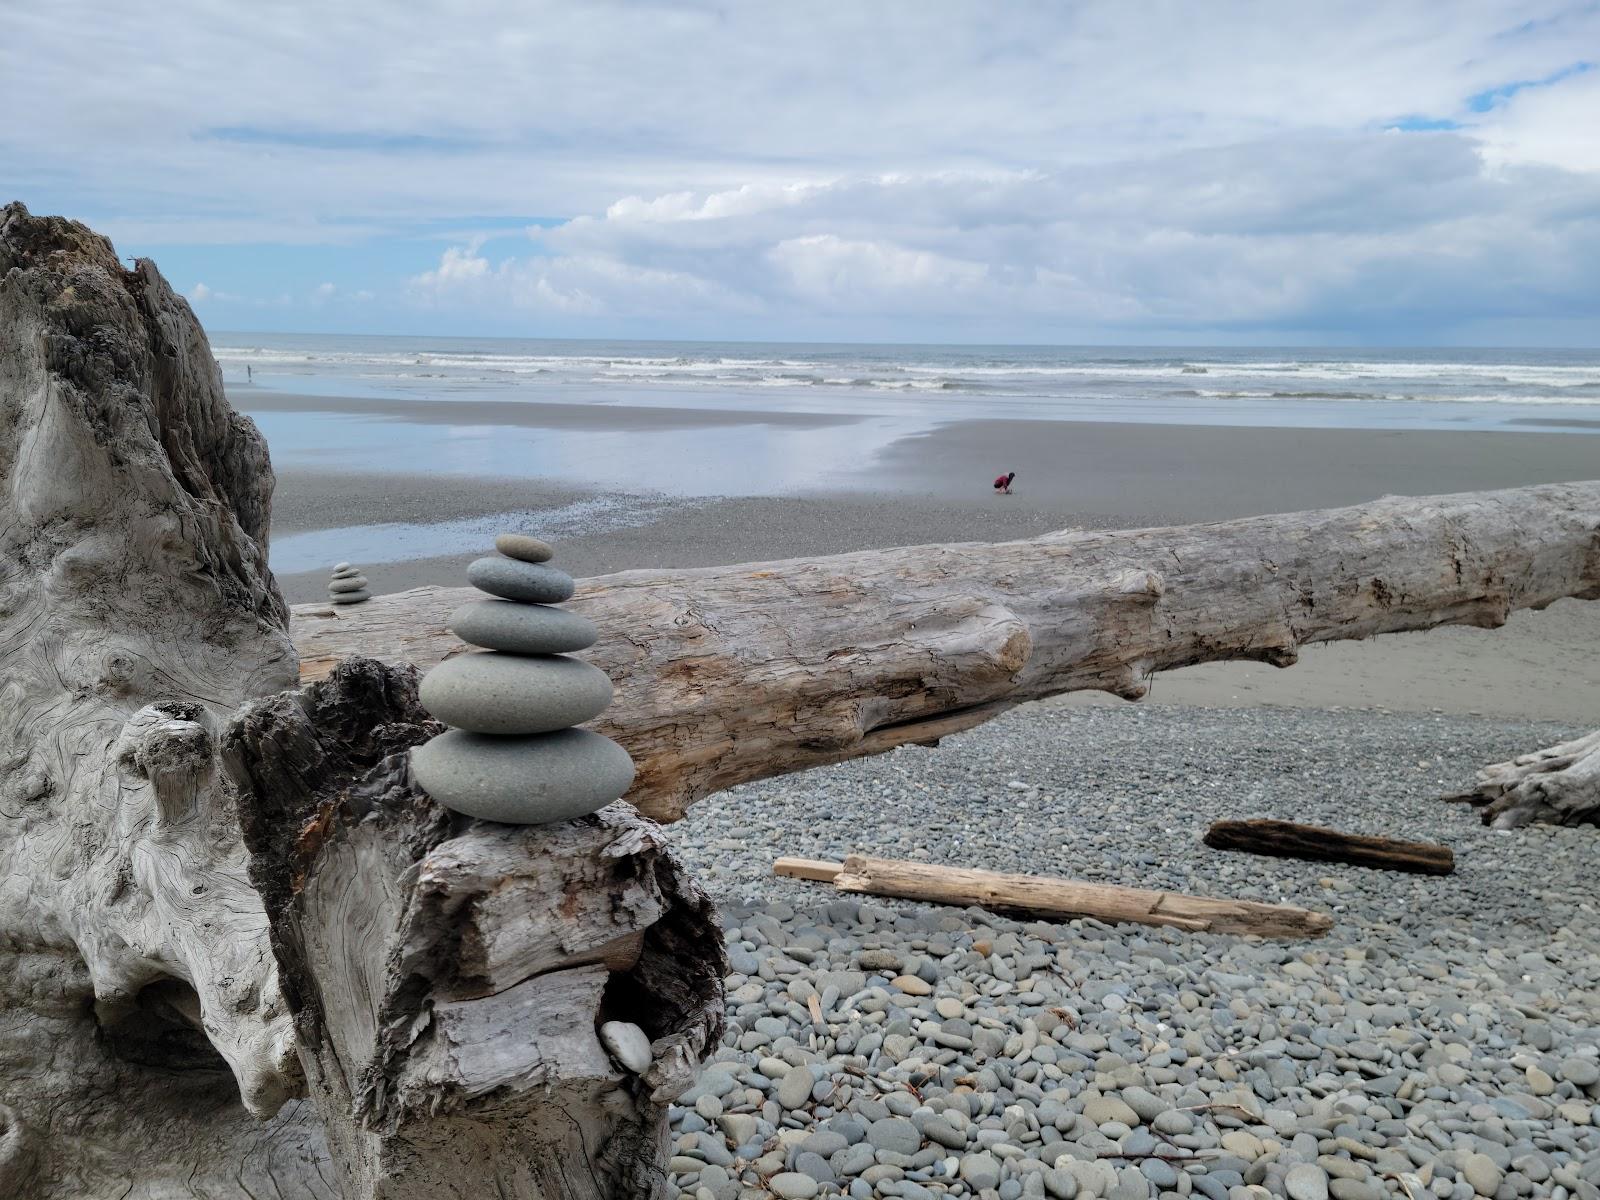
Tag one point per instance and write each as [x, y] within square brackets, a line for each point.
[524, 548]
[490, 692]
[522, 780]
[523, 628]
[531, 583]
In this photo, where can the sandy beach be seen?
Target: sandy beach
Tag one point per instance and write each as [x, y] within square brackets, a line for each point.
[933, 486]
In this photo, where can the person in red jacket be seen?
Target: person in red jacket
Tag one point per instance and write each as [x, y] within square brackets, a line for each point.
[1002, 483]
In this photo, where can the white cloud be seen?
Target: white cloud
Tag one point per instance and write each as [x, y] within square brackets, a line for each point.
[200, 293]
[1043, 168]
[1336, 232]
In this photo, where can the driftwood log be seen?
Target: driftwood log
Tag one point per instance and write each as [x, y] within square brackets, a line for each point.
[1284, 839]
[240, 953]
[1559, 785]
[1044, 897]
[729, 674]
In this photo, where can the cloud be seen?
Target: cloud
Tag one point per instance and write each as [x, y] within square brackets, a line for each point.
[1335, 232]
[919, 169]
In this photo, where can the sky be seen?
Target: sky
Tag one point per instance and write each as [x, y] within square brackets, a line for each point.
[1133, 171]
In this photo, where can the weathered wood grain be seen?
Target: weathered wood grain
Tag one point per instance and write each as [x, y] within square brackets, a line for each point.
[729, 674]
[1559, 785]
[1054, 899]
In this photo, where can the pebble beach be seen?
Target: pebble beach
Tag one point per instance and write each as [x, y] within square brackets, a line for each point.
[1442, 1040]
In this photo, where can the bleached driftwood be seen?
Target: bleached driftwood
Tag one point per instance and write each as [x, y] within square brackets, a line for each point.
[374, 998]
[1559, 785]
[1048, 898]
[729, 674]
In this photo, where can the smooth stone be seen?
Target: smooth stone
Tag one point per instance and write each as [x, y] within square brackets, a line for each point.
[1480, 1171]
[354, 584]
[490, 692]
[337, 567]
[1306, 1182]
[628, 1044]
[980, 1171]
[524, 548]
[1581, 1072]
[531, 583]
[791, 1185]
[522, 780]
[350, 597]
[522, 628]
[795, 1089]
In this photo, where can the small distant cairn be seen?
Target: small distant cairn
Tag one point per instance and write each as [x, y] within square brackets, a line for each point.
[347, 585]
[512, 755]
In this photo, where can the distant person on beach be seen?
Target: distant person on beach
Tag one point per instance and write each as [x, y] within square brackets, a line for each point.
[248, 376]
[1002, 483]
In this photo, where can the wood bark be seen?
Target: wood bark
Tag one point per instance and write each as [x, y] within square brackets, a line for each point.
[729, 674]
[1284, 839]
[371, 999]
[1048, 898]
[1559, 785]
[448, 976]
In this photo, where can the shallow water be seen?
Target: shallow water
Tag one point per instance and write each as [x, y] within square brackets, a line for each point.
[1405, 388]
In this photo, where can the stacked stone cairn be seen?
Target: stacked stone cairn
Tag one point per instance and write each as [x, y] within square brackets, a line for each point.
[348, 585]
[512, 755]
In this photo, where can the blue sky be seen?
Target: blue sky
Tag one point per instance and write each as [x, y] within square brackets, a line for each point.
[1400, 173]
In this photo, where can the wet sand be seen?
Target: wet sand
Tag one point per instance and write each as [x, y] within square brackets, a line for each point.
[1070, 474]
[543, 415]
[1172, 473]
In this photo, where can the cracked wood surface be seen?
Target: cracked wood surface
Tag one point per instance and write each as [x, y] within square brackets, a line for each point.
[728, 674]
[1558, 785]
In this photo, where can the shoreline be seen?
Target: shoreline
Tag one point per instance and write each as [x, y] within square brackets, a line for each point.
[1078, 475]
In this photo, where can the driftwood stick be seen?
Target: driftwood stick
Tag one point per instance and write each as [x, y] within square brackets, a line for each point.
[1056, 899]
[1284, 839]
[729, 674]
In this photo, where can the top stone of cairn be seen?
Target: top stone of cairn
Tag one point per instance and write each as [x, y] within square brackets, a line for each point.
[524, 548]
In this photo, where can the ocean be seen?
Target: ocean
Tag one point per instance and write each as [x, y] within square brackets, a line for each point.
[630, 424]
[1500, 389]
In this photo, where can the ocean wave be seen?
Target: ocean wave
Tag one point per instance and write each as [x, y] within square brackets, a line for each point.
[1375, 397]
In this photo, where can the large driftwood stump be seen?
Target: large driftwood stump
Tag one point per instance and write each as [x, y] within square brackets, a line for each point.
[734, 673]
[1559, 785]
[448, 975]
[374, 998]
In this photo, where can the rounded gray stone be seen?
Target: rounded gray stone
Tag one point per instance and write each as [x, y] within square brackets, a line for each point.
[980, 1171]
[1581, 1072]
[1304, 1182]
[524, 548]
[628, 1044]
[795, 1089]
[791, 1185]
[353, 584]
[523, 628]
[337, 567]
[350, 597]
[490, 692]
[895, 1134]
[531, 583]
[528, 780]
